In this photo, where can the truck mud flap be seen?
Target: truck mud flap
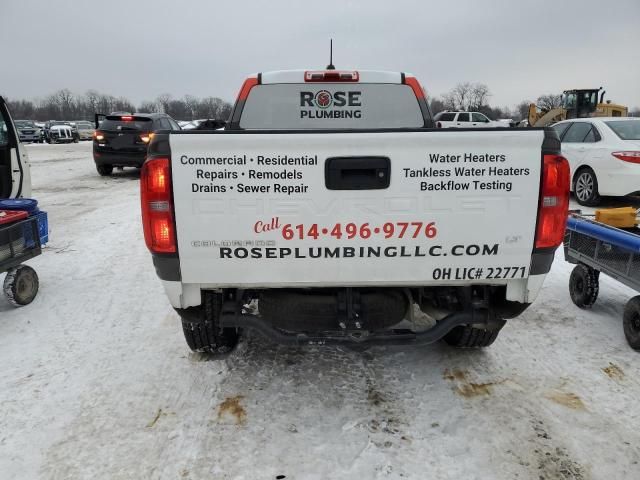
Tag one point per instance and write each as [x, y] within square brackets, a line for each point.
[231, 317]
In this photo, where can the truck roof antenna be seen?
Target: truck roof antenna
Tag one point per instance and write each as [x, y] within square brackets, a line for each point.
[331, 66]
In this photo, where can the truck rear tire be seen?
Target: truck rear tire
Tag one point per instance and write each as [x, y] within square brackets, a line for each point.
[466, 336]
[201, 327]
[584, 286]
[631, 322]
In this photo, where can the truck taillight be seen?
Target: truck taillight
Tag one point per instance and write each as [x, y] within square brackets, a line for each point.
[630, 156]
[157, 206]
[554, 202]
[331, 76]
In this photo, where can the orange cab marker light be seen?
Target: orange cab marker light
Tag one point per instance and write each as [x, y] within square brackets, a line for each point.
[248, 84]
[418, 90]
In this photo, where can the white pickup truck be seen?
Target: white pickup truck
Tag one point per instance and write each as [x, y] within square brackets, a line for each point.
[331, 211]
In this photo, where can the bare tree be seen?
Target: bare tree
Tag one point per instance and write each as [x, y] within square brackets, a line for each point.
[449, 101]
[163, 102]
[461, 94]
[64, 105]
[191, 105]
[64, 99]
[436, 105]
[21, 108]
[91, 100]
[122, 104]
[549, 101]
[213, 107]
[522, 110]
[467, 96]
[478, 96]
[147, 107]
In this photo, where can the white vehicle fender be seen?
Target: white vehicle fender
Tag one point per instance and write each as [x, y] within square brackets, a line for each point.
[182, 295]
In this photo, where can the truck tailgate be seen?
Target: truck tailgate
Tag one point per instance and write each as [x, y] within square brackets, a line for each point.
[371, 208]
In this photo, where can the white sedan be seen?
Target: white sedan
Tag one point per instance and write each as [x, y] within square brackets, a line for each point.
[604, 156]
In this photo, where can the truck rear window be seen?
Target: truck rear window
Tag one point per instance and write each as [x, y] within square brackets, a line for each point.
[331, 106]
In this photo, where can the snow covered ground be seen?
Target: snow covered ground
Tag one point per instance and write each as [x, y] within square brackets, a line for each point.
[97, 382]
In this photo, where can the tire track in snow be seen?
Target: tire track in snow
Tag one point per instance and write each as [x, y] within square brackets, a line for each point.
[319, 397]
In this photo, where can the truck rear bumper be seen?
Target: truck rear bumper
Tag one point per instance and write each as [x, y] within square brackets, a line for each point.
[184, 295]
[29, 138]
[119, 159]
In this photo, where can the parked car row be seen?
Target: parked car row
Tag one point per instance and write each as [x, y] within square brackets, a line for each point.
[54, 131]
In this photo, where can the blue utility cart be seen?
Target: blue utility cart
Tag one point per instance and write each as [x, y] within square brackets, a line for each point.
[23, 231]
[595, 247]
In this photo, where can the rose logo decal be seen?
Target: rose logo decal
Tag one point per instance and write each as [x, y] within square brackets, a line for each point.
[323, 99]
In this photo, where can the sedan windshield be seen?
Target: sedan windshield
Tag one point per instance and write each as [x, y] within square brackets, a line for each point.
[625, 129]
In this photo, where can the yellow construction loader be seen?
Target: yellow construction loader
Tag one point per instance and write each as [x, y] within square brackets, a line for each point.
[577, 103]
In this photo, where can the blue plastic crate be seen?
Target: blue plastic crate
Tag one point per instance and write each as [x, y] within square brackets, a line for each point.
[25, 204]
[43, 226]
[43, 230]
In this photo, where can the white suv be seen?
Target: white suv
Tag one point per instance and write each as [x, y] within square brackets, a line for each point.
[465, 120]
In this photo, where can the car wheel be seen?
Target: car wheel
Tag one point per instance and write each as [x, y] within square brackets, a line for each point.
[585, 188]
[104, 170]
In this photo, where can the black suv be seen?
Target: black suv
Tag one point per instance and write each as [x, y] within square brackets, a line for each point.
[121, 140]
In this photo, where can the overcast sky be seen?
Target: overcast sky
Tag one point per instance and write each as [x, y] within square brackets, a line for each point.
[142, 48]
